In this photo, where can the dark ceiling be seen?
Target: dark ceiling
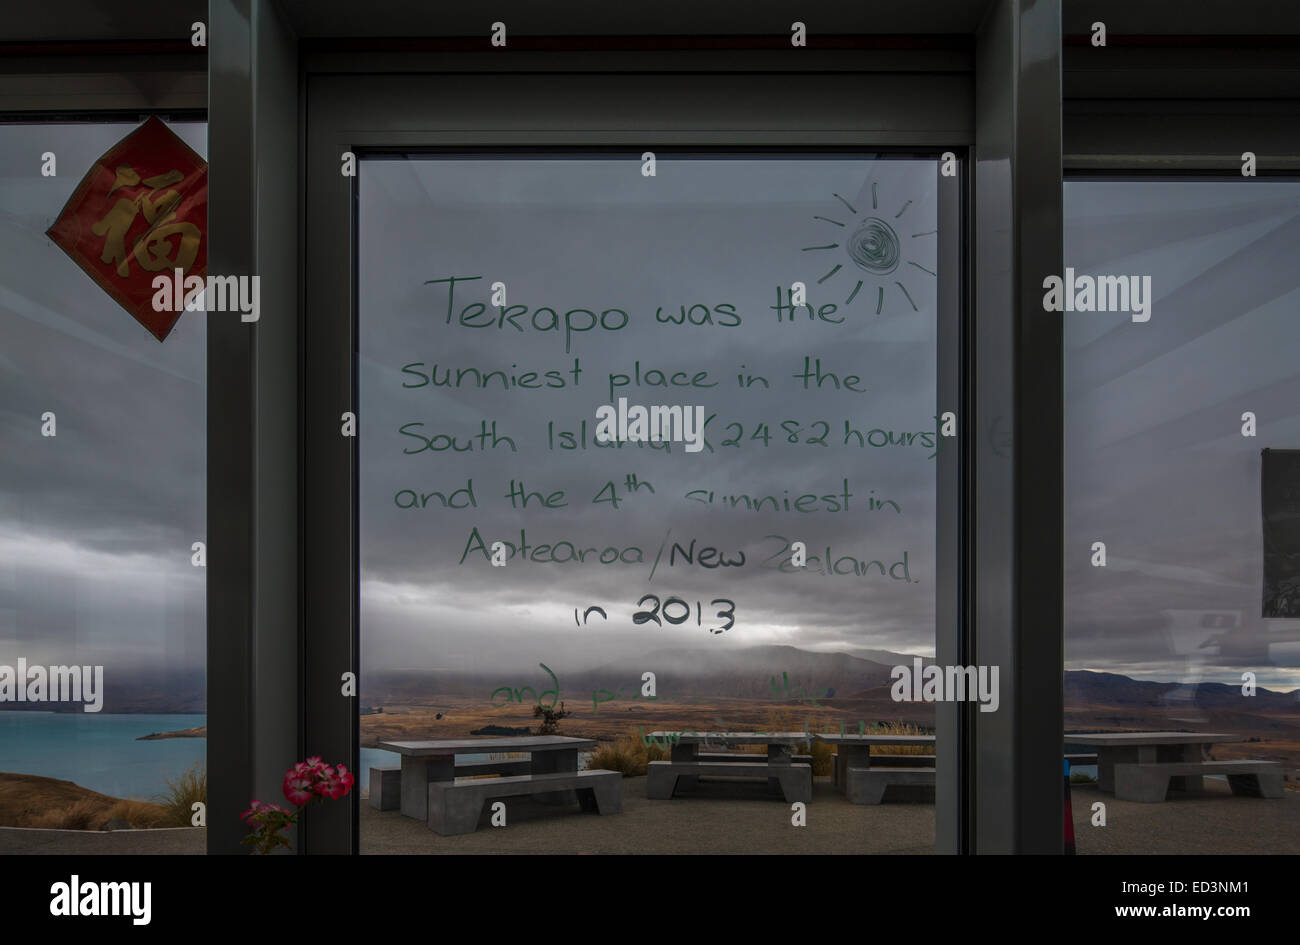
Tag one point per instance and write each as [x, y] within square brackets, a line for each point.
[110, 20]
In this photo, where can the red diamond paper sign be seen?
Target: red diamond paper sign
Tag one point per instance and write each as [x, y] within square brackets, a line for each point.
[141, 211]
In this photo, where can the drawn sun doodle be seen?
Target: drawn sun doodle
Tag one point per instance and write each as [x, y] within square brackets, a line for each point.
[876, 253]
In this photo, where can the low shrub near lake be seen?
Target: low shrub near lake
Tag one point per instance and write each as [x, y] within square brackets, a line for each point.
[182, 793]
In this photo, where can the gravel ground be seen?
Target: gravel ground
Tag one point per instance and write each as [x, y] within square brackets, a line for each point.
[1214, 823]
[742, 818]
[727, 817]
[175, 840]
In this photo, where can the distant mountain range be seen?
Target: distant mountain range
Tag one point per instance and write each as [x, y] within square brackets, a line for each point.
[160, 692]
[761, 672]
[767, 672]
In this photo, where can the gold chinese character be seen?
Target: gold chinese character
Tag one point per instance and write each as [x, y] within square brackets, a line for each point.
[152, 249]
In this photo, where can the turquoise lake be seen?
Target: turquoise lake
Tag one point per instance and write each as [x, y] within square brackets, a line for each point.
[99, 750]
[102, 752]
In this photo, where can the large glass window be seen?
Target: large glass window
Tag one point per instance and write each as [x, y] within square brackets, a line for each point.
[1180, 401]
[102, 492]
[647, 461]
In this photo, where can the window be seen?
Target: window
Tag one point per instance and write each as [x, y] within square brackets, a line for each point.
[1167, 414]
[103, 499]
[758, 564]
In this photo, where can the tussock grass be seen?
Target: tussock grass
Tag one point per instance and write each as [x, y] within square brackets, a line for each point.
[91, 814]
[85, 814]
[901, 728]
[628, 755]
[141, 814]
[182, 793]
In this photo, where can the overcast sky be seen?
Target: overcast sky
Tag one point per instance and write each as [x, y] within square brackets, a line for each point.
[598, 235]
[96, 523]
[1156, 466]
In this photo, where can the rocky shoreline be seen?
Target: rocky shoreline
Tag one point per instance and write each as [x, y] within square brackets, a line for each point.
[200, 731]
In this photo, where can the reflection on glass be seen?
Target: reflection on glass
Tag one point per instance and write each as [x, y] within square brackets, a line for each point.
[102, 497]
[1166, 421]
[645, 459]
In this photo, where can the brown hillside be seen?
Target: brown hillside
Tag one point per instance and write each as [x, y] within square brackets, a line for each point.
[28, 800]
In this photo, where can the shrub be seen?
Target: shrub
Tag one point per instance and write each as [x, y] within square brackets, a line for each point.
[550, 718]
[190, 787]
[900, 728]
[140, 814]
[629, 756]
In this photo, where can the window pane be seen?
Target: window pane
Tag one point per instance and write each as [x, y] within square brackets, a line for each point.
[1165, 423]
[647, 588]
[97, 520]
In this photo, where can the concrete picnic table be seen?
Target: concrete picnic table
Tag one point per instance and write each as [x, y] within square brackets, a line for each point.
[686, 745]
[1146, 748]
[854, 751]
[435, 760]
[686, 764]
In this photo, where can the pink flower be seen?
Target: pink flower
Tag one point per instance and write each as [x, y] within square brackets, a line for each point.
[297, 788]
[258, 812]
[337, 784]
[252, 812]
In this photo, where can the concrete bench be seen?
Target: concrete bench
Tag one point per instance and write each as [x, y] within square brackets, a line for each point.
[795, 779]
[456, 806]
[1149, 783]
[867, 785]
[884, 761]
[510, 768]
[745, 756]
[386, 782]
[386, 788]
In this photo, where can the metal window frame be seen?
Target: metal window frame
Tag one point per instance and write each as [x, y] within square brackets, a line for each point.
[342, 117]
[95, 83]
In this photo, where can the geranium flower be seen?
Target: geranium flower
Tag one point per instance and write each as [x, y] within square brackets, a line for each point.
[303, 783]
[346, 777]
[337, 785]
[297, 788]
[259, 813]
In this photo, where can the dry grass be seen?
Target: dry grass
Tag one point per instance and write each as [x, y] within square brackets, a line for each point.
[90, 813]
[900, 728]
[85, 814]
[182, 793]
[61, 805]
[628, 755]
[790, 720]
